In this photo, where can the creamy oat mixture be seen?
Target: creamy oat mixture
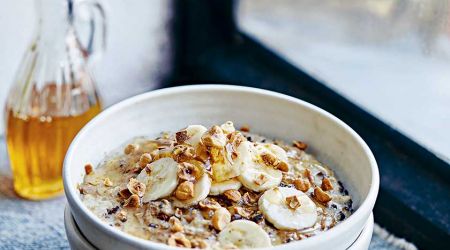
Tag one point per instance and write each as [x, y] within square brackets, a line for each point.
[215, 188]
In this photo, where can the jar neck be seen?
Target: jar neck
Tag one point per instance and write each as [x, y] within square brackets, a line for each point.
[53, 19]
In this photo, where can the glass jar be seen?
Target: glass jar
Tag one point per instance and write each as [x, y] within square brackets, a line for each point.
[53, 96]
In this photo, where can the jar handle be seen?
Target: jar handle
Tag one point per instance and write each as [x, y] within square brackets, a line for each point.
[97, 26]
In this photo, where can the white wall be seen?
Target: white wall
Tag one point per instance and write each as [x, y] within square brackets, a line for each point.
[137, 50]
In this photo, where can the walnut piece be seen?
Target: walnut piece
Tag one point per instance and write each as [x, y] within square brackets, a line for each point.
[221, 218]
[88, 169]
[144, 160]
[293, 202]
[321, 196]
[179, 240]
[136, 187]
[185, 190]
[326, 185]
[175, 224]
[301, 184]
[300, 145]
[232, 195]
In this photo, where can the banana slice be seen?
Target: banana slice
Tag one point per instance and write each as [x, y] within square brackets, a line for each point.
[160, 179]
[194, 133]
[243, 234]
[201, 191]
[254, 174]
[220, 187]
[274, 149]
[288, 208]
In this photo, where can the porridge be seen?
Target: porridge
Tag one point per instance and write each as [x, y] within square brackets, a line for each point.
[218, 188]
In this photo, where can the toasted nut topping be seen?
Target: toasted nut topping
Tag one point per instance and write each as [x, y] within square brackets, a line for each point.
[124, 193]
[214, 137]
[262, 178]
[88, 169]
[133, 201]
[221, 218]
[183, 152]
[181, 136]
[130, 148]
[136, 187]
[283, 166]
[185, 190]
[293, 202]
[250, 198]
[326, 185]
[245, 128]
[301, 184]
[190, 172]
[179, 240]
[107, 182]
[233, 195]
[122, 215]
[201, 152]
[227, 127]
[269, 159]
[300, 145]
[321, 196]
[209, 204]
[236, 138]
[307, 174]
[244, 212]
[145, 159]
[199, 243]
[175, 224]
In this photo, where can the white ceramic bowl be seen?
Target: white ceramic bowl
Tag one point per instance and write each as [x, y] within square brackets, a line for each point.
[271, 114]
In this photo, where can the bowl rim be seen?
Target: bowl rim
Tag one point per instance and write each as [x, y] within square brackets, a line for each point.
[74, 199]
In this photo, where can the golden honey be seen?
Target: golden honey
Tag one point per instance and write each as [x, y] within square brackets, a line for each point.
[37, 146]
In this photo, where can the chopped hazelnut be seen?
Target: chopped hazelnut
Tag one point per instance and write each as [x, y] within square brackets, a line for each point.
[144, 160]
[175, 224]
[245, 128]
[136, 187]
[326, 185]
[122, 215]
[181, 136]
[221, 218]
[293, 202]
[214, 137]
[209, 204]
[179, 240]
[283, 166]
[133, 201]
[88, 168]
[107, 182]
[321, 196]
[130, 148]
[233, 195]
[199, 243]
[244, 212]
[189, 171]
[185, 190]
[301, 184]
[124, 193]
[307, 174]
[250, 198]
[183, 152]
[269, 159]
[300, 145]
[261, 179]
